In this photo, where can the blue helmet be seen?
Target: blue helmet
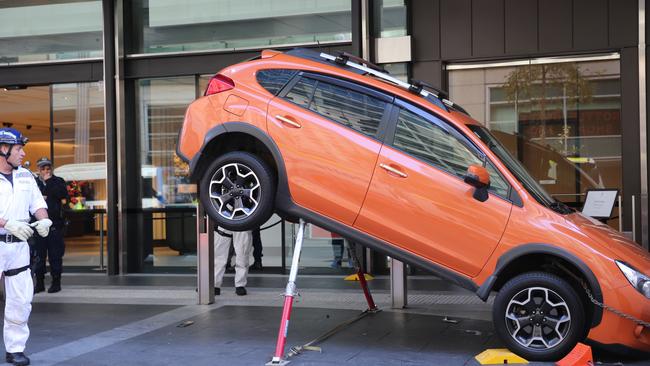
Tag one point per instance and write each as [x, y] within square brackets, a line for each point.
[12, 136]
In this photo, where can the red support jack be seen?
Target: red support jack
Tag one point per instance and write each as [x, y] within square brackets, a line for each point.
[289, 294]
[364, 286]
[362, 280]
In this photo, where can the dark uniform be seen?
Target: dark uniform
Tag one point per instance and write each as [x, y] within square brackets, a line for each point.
[52, 247]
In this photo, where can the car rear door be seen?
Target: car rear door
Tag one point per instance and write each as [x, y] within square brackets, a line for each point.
[418, 200]
[329, 132]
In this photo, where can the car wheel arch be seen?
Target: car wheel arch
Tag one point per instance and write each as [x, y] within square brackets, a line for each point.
[514, 261]
[240, 136]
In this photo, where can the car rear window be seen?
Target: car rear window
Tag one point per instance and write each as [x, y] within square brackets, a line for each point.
[274, 80]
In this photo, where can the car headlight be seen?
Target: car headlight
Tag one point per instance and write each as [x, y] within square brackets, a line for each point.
[638, 280]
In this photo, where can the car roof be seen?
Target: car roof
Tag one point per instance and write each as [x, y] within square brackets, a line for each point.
[352, 67]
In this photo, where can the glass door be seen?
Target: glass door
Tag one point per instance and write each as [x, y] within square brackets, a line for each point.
[65, 123]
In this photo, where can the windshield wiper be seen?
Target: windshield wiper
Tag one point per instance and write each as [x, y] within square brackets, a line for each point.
[560, 207]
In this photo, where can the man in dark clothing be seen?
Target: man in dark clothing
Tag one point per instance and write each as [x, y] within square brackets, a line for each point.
[55, 192]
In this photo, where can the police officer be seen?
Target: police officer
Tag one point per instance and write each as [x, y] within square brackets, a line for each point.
[51, 247]
[19, 197]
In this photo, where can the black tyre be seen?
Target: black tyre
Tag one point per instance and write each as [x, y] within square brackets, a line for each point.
[539, 316]
[238, 191]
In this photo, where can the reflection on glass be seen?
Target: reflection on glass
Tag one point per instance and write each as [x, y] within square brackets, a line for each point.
[161, 109]
[78, 142]
[322, 251]
[390, 18]
[561, 120]
[398, 70]
[173, 26]
[168, 197]
[50, 30]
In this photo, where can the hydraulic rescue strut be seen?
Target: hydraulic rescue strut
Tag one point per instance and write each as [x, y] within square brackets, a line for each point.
[290, 293]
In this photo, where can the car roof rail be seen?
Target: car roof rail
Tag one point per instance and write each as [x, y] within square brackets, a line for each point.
[441, 94]
[343, 57]
[418, 87]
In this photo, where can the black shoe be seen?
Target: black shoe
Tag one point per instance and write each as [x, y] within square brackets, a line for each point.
[217, 291]
[56, 285]
[18, 358]
[257, 264]
[240, 291]
[39, 286]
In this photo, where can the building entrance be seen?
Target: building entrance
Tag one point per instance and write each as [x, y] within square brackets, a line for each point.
[65, 122]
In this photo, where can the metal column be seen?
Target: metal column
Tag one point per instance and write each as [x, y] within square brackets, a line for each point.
[643, 129]
[205, 257]
[397, 284]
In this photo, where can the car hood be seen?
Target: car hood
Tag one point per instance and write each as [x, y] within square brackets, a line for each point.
[611, 242]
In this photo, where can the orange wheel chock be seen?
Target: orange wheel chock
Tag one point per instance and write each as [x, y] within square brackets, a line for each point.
[579, 356]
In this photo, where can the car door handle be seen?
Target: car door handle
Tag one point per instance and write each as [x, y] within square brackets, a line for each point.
[390, 169]
[288, 121]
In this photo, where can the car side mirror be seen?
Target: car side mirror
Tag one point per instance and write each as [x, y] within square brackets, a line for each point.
[478, 177]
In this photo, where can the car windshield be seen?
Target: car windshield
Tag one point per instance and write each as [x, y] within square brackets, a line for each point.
[518, 170]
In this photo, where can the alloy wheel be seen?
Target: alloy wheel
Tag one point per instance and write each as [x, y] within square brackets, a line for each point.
[538, 318]
[235, 191]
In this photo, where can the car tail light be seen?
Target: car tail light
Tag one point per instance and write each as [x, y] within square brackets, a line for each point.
[218, 84]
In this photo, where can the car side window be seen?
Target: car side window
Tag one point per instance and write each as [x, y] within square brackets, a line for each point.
[434, 143]
[356, 110]
[302, 92]
[274, 80]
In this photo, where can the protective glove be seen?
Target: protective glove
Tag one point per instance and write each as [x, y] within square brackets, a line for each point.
[42, 227]
[19, 229]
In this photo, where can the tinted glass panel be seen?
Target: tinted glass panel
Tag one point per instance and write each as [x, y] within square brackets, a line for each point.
[302, 92]
[275, 79]
[427, 141]
[50, 30]
[562, 121]
[196, 25]
[356, 110]
[390, 18]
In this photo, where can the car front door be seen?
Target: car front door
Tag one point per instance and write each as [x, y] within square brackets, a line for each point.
[329, 132]
[418, 200]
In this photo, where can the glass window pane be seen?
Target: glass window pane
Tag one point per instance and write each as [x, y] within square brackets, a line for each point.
[161, 109]
[168, 196]
[561, 120]
[423, 139]
[390, 18]
[51, 30]
[173, 26]
[79, 158]
[356, 110]
[78, 121]
[274, 80]
[301, 93]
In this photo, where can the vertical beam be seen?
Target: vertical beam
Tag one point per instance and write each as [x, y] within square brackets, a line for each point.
[356, 27]
[365, 29]
[110, 123]
[397, 284]
[205, 257]
[643, 127]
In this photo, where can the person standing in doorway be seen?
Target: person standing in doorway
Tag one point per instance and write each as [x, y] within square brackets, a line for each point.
[243, 243]
[19, 197]
[52, 247]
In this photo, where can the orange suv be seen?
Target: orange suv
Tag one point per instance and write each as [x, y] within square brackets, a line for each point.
[399, 168]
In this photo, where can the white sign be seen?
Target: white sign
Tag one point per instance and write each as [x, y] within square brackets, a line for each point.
[600, 203]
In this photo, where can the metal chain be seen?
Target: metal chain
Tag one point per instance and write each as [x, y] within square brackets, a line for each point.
[615, 311]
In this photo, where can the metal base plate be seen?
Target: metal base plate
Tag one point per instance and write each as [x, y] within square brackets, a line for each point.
[277, 363]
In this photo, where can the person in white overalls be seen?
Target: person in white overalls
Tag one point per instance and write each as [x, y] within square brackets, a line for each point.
[19, 197]
[243, 243]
